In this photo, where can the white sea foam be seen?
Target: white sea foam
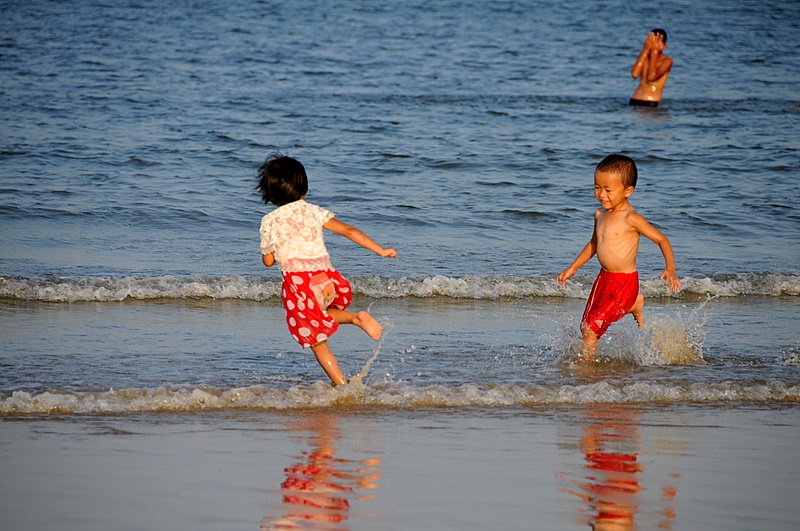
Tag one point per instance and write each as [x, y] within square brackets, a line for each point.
[486, 287]
[392, 396]
[791, 356]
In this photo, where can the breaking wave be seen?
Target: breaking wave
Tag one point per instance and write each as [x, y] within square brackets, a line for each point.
[487, 287]
[391, 396]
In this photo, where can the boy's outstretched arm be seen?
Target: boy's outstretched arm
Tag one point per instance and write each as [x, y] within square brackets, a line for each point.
[585, 255]
[669, 275]
[352, 233]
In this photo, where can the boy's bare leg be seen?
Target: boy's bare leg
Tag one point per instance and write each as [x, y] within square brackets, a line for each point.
[328, 362]
[589, 347]
[361, 319]
[636, 310]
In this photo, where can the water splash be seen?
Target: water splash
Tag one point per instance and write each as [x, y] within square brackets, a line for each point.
[663, 340]
[674, 341]
[358, 379]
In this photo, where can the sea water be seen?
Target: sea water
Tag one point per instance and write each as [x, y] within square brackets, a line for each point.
[464, 135]
[146, 376]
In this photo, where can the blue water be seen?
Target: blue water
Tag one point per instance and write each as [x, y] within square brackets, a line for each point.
[464, 134]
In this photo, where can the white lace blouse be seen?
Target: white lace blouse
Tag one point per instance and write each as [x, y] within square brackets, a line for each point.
[294, 233]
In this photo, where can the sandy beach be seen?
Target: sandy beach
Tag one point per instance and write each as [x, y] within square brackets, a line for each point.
[618, 467]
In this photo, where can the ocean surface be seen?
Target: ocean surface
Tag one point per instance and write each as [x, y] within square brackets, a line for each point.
[147, 380]
[464, 134]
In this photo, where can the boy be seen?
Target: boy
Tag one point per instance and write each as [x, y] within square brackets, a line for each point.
[615, 240]
[652, 68]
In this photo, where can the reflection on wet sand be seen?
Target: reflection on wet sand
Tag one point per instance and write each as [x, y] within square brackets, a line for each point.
[610, 480]
[319, 486]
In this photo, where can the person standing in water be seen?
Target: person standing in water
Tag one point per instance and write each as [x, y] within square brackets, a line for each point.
[652, 69]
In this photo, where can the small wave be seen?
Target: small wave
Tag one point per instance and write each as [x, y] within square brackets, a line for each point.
[109, 289]
[532, 214]
[485, 287]
[391, 396]
[791, 356]
[742, 284]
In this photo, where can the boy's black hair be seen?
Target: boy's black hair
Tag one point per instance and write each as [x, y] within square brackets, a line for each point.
[282, 180]
[659, 31]
[622, 164]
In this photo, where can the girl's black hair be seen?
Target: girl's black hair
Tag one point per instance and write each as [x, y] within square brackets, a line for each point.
[282, 180]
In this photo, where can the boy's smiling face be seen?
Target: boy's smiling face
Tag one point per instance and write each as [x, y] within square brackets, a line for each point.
[609, 190]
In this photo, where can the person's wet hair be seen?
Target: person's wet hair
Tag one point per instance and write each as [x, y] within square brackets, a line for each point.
[659, 31]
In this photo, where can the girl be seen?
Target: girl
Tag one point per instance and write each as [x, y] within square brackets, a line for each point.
[315, 295]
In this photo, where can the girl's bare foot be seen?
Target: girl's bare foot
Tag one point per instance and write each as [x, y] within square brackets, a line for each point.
[636, 310]
[368, 324]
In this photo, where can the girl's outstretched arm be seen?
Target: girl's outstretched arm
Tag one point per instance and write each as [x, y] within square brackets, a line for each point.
[352, 233]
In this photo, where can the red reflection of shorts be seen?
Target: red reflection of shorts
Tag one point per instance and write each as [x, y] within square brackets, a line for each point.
[612, 296]
[306, 297]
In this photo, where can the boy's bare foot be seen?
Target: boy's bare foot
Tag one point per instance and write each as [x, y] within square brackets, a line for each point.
[368, 324]
[636, 310]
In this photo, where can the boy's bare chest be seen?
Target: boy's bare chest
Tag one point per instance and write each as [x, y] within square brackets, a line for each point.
[614, 228]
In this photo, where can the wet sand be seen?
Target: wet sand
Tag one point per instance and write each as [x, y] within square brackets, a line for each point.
[614, 467]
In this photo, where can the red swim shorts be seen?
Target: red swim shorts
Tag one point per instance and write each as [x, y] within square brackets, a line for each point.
[306, 297]
[612, 296]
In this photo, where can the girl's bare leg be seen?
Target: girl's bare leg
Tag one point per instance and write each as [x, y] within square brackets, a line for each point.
[636, 311]
[361, 319]
[322, 351]
[328, 362]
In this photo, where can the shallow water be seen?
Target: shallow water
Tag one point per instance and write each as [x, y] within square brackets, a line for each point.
[216, 354]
